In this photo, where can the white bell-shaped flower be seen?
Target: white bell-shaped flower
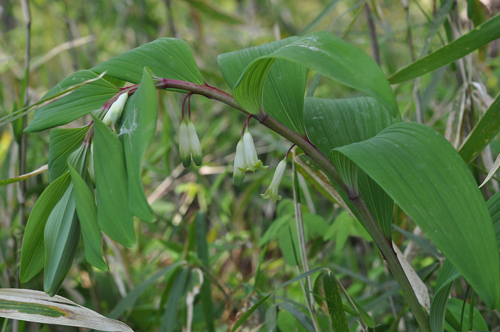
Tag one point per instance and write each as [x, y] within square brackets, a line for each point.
[252, 161]
[184, 149]
[272, 191]
[194, 144]
[240, 164]
[115, 111]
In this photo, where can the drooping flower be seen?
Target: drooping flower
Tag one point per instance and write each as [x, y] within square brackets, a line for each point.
[184, 149]
[272, 191]
[251, 159]
[240, 164]
[115, 111]
[194, 144]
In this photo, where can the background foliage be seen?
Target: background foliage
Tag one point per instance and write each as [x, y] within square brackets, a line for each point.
[246, 251]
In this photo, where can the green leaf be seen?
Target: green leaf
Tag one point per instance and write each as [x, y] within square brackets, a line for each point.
[136, 130]
[483, 133]
[213, 11]
[135, 293]
[250, 311]
[328, 55]
[23, 177]
[437, 21]
[493, 205]
[283, 93]
[334, 301]
[85, 99]
[62, 143]
[35, 306]
[301, 317]
[444, 283]
[352, 120]
[113, 213]
[169, 320]
[166, 57]
[87, 214]
[471, 41]
[455, 308]
[33, 247]
[271, 318]
[328, 8]
[62, 235]
[427, 178]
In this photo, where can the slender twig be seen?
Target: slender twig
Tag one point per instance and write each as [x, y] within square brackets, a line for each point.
[373, 34]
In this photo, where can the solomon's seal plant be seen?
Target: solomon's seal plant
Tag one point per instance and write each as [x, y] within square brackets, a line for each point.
[367, 157]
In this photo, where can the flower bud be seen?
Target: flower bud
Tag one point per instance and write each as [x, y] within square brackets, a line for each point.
[240, 164]
[252, 161]
[184, 149]
[272, 191]
[194, 144]
[115, 111]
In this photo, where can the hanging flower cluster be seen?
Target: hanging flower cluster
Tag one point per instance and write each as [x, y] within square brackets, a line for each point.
[189, 143]
[246, 159]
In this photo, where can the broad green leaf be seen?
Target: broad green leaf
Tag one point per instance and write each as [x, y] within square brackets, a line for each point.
[136, 130]
[468, 43]
[166, 57]
[203, 254]
[62, 143]
[483, 133]
[214, 12]
[87, 215]
[113, 213]
[35, 306]
[250, 311]
[62, 235]
[300, 316]
[85, 99]
[283, 93]
[493, 205]
[33, 247]
[427, 178]
[334, 301]
[23, 177]
[169, 320]
[328, 55]
[135, 293]
[352, 120]
[446, 277]
[455, 308]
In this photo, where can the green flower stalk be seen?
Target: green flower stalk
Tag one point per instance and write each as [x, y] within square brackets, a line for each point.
[252, 161]
[272, 191]
[240, 164]
[115, 111]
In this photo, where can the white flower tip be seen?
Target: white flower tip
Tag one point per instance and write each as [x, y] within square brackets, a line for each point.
[115, 111]
[272, 191]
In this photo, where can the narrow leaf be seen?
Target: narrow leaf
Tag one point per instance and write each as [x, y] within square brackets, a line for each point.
[214, 12]
[33, 247]
[492, 172]
[62, 143]
[35, 306]
[457, 49]
[83, 100]
[427, 178]
[136, 130]
[87, 214]
[447, 276]
[62, 235]
[483, 133]
[301, 317]
[169, 320]
[113, 214]
[23, 177]
[166, 57]
[334, 301]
